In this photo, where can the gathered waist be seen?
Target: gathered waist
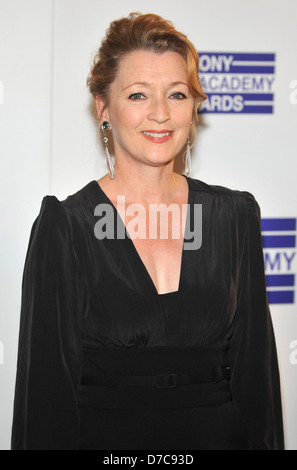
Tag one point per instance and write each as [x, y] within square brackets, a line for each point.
[155, 377]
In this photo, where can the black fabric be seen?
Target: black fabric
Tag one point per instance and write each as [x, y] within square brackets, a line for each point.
[212, 388]
[81, 293]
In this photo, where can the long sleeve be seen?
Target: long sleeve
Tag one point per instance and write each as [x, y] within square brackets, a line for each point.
[49, 359]
[255, 380]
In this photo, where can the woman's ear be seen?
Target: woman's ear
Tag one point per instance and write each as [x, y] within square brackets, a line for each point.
[101, 108]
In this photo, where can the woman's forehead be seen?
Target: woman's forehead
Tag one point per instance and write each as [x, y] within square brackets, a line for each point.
[148, 66]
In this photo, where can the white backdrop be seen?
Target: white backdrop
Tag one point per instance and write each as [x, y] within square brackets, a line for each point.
[49, 142]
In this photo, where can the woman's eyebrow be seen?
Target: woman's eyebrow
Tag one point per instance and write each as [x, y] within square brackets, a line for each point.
[147, 84]
[138, 83]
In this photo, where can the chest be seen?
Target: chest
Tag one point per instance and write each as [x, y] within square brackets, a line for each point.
[158, 237]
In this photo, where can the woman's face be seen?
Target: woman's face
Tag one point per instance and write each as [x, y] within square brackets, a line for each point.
[150, 107]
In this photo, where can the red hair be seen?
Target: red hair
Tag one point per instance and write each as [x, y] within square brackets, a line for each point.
[142, 32]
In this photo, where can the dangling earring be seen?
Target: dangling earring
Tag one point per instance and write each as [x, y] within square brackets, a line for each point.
[188, 168]
[110, 164]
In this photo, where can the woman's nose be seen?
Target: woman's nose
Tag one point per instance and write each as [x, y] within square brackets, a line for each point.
[159, 111]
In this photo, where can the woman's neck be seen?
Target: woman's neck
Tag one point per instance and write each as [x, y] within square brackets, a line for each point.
[144, 184]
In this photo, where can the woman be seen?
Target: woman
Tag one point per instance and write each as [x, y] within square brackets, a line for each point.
[130, 339]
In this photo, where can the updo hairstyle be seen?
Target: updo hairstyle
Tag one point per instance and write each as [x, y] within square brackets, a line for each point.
[147, 32]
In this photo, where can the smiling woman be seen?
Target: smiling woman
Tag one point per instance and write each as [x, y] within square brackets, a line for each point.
[143, 33]
[156, 110]
[147, 342]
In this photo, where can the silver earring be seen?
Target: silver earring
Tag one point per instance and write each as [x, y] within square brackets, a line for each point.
[110, 164]
[188, 168]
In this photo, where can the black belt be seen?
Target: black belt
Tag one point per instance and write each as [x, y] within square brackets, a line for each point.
[159, 381]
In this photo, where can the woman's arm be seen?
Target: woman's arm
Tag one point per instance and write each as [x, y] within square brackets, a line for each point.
[49, 357]
[255, 377]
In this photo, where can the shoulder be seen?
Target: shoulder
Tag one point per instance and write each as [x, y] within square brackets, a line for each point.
[233, 197]
[89, 194]
[216, 190]
[229, 208]
[56, 229]
[53, 208]
[60, 216]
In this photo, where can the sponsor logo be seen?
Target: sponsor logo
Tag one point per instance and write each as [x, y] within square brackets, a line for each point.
[279, 246]
[239, 83]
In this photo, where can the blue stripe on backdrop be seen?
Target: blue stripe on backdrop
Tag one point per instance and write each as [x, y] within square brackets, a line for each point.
[245, 110]
[278, 280]
[245, 96]
[279, 241]
[280, 297]
[278, 224]
[250, 69]
[261, 57]
[255, 96]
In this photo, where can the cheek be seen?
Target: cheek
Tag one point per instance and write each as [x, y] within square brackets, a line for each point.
[184, 125]
[128, 122]
[131, 114]
[134, 117]
[126, 125]
[183, 117]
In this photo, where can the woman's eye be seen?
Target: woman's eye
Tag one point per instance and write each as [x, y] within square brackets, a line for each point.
[136, 96]
[178, 96]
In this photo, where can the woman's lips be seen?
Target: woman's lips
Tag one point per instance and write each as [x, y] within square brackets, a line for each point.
[158, 137]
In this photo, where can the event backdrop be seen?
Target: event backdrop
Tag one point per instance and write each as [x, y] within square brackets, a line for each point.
[49, 142]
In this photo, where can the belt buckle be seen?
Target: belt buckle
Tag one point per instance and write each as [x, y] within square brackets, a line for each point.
[166, 381]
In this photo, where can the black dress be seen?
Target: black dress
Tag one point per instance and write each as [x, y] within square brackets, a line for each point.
[105, 362]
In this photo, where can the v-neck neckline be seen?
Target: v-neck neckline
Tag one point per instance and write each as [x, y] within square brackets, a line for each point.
[136, 253]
